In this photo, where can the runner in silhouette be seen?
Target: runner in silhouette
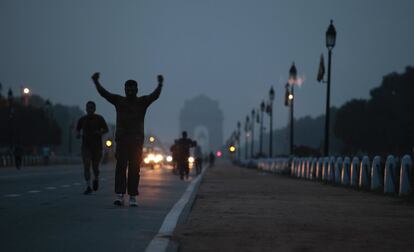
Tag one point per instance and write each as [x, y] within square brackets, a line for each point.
[129, 137]
[93, 126]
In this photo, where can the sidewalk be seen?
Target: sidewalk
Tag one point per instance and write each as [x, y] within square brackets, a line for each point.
[239, 209]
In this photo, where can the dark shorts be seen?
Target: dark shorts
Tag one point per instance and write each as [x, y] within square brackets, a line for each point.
[94, 154]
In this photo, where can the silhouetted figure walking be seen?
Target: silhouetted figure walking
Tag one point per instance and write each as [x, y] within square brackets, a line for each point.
[18, 156]
[211, 159]
[198, 159]
[184, 144]
[93, 126]
[129, 137]
[174, 153]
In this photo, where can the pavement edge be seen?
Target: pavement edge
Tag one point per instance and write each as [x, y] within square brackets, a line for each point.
[178, 214]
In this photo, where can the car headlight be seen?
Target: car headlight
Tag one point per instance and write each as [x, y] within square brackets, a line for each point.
[169, 159]
[191, 159]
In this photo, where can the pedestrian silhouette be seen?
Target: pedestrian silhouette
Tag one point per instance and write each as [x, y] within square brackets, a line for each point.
[129, 136]
[198, 159]
[211, 159]
[184, 144]
[18, 156]
[93, 126]
[174, 153]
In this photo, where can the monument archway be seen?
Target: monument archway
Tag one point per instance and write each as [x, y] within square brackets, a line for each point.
[202, 118]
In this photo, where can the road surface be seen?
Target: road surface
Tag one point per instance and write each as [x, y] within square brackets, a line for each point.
[44, 209]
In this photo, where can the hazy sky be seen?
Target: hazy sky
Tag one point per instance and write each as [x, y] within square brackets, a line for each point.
[230, 50]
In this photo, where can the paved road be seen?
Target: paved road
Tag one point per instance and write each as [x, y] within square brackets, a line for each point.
[43, 209]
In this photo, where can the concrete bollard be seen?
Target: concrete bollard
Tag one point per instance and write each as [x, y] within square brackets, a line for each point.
[345, 174]
[307, 168]
[292, 167]
[377, 177]
[354, 172]
[364, 173]
[319, 166]
[325, 168]
[338, 171]
[302, 167]
[331, 170]
[313, 168]
[299, 168]
[390, 175]
[405, 176]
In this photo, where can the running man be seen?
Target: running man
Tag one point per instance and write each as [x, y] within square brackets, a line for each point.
[93, 126]
[129, 137]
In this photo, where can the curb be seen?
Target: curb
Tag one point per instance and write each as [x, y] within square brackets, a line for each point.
[179, 213]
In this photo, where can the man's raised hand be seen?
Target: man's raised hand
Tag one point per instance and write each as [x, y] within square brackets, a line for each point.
[95, 76]
[160, 79]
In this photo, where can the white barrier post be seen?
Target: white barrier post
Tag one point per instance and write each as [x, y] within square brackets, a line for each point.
[376, 174]
[292, 167]
[364, 173]
[389, 175]
[354, 171]
[331, 170]
[338, 170]
[345, 175]
[325, 168]
[319, 166]
[308, 165]
[313, 168]
[405, 176]
[302, 167]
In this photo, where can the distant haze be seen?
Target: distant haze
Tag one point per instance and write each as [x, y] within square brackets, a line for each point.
[230, 50]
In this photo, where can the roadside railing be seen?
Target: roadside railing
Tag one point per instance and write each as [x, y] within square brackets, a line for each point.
[394, 176]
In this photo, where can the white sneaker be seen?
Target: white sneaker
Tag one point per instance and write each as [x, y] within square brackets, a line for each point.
[119, 201]
[133, 201]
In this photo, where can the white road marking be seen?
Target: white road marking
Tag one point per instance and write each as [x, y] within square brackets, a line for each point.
[12, 195]
[65, 186]
[34, 191]
[76, 184]
[50, 188]
[161, 240]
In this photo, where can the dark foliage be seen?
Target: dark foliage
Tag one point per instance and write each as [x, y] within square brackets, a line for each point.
[383, 124]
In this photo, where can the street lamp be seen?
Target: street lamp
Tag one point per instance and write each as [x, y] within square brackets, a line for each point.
[330, 43]
[25, 95]
[262, 108]
[270, 111]
[292, 81]
[246, 131]
[252, 126]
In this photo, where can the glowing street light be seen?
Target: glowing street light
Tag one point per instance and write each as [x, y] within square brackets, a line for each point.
[152, 139]
[108, 143]
[26, 91]
[232, 148]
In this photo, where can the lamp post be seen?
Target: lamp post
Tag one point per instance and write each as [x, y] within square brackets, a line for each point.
[252, 126]
[25, 95]
[330, 43]
[246, 131]
[270, 110]
[238, 139]
[262, 108]
[292, 80]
